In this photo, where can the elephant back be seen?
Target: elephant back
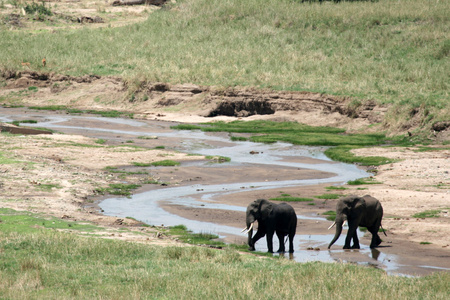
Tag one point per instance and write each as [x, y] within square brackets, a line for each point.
[286, 215]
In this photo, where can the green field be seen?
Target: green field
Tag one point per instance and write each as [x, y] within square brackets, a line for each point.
[393, 51]
[40, 262]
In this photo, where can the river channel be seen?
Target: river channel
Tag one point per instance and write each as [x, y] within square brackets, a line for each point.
[148, 206]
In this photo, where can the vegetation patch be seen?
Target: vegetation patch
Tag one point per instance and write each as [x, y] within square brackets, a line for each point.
[343, 153]
[161, 163]
[426, 149]
[218, 158]
[360, 181]
[47, 186]
[289, 198]
[100, 141]
[6, 160]
[165, 163]
[238, 139]
[340, 188]
[187, 236]
[21, 222]
[118, 189]
[117, 171]
[331, 215]
[17, 123]
[329, 196]
[434, 213]
[301, 134]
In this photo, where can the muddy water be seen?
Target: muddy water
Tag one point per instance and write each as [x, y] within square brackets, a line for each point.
[147, 206]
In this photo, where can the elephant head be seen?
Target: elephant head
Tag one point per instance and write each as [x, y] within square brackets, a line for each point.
[258, 210]
[350, 209]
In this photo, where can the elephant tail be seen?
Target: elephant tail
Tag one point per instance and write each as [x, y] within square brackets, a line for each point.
[384, 231]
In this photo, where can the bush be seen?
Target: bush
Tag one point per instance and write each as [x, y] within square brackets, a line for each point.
[40, 9]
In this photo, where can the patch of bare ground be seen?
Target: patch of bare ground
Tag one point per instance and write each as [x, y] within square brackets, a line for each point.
[58, 174]
[418, 182]
[74, 14]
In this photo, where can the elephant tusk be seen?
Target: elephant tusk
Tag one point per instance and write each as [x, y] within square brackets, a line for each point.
[247, 230]
[244, 229]
[334, 223]
[343, 224]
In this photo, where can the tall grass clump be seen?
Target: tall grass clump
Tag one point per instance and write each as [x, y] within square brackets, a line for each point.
[393, 51]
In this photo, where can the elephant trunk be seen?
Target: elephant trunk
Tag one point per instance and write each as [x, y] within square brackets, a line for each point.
[249, 230]
[338, 232]
[249, 240]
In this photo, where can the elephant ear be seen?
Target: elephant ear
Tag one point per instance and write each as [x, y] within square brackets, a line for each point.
[358, 204]
[265, 207]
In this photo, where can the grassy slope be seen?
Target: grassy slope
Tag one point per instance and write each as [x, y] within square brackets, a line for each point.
[40, 263]
[391, 51]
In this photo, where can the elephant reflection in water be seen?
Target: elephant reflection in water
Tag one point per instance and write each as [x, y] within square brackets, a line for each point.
[272, 218]
[363, 211]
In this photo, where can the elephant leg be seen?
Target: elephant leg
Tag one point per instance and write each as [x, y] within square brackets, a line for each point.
[258, 235]
[281, 242]
[291, 243]
[352, 235]
[270, 242]
[355, 241]
[376, 240]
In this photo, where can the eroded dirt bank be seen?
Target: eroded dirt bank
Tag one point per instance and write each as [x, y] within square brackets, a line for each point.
[194, 103]
[186, 102]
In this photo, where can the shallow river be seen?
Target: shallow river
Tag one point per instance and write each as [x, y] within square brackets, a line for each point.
[146, 206]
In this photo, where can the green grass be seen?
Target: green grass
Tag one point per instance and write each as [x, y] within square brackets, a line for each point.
[288, 198]
[161, 163]
[301, 134]
[120, 189]
[336, 188]
[17, 123]
[361, 181]
[434, 213]
[329, 196]
[5, 160]
[218, 158]
[47, 187]
[183, 234]
[165, 163]
[39, 262]
[238, 139]
[342, 153]
[395, 52]
[22, 222]
[100, 141]
[331, 215]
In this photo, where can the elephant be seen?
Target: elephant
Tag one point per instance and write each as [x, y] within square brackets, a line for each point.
[280, 218]
[363, 211]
